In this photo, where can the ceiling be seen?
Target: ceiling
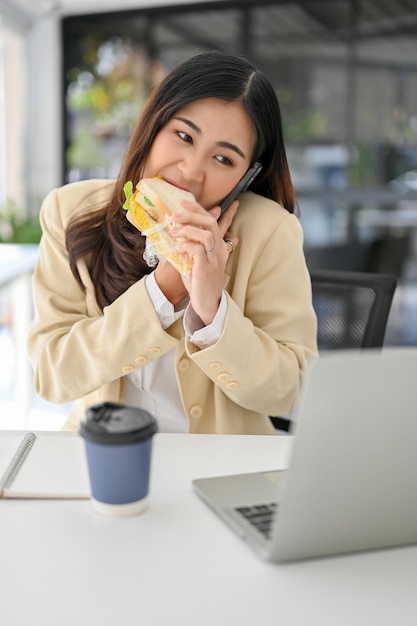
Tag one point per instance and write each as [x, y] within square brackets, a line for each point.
[40, 8]
[280, 25]
[395, 12]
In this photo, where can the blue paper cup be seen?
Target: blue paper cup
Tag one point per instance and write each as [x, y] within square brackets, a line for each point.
[118, 443]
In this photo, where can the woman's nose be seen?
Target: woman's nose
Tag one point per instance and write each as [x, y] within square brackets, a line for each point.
[192, 169]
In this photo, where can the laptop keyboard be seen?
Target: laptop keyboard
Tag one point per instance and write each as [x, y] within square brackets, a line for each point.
[260, 516]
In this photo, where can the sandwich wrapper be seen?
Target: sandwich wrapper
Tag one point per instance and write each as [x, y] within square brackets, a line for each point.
[152, 254]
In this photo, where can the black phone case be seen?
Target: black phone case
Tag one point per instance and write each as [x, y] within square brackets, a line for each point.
[241, 186]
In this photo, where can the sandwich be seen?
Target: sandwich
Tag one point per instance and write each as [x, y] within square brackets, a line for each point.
[151, 208]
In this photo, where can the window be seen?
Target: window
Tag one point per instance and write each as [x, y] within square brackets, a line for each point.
[345, 72]
[12, 112]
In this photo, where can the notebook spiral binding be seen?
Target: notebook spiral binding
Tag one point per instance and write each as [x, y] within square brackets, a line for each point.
[17, 461]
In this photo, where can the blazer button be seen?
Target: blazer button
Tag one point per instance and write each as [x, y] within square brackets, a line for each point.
[141, 360]
[126, 369]
[223, 377]
[215, 365]
[196, 411]
[183, 365]
[154, 350]
[232, 385]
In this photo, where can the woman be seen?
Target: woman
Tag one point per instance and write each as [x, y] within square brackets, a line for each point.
[216, 351]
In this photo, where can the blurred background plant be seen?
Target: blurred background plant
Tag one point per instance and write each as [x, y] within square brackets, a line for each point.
[18, 227]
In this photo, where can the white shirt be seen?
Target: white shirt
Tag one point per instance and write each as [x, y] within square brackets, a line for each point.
[154, 387]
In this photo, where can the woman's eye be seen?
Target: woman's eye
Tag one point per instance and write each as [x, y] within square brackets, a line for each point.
[184, 136]
[223, 159]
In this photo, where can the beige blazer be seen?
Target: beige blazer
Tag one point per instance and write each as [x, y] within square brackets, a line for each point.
[81, 355]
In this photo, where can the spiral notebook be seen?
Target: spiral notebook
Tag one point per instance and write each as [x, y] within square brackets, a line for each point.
[43, 466]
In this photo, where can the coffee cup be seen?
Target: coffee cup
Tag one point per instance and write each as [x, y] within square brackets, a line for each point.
[118, 444]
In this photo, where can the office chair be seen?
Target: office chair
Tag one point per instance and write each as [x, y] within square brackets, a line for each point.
[352, 308]
[352, 311]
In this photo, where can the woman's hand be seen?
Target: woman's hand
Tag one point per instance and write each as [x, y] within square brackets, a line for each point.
[204, 242]
[170, 282]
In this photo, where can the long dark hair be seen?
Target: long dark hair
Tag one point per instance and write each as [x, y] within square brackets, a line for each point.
[112, 247]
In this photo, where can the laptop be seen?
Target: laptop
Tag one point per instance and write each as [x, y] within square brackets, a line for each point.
[351, 484]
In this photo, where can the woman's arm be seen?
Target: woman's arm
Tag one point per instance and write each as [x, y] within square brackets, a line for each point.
[270, 331]
[73, 347]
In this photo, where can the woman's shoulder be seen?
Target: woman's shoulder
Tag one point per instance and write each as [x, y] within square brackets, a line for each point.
[258, 212]
[79, 197]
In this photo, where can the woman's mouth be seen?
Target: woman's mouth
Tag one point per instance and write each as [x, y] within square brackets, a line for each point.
[175, 184]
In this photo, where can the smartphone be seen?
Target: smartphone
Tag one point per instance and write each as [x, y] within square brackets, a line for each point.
[241, 186]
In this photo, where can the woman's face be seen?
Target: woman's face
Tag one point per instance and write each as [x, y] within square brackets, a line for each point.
[205, 148]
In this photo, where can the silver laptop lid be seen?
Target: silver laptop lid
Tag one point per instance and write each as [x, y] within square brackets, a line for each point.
[352, 482]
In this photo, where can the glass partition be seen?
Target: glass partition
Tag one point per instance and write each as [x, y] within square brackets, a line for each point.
[345, 72]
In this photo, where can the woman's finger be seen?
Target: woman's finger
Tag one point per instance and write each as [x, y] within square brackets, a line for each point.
[226, 219]
[232, 241]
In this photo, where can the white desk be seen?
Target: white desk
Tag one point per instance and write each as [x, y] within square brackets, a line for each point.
[61, 564]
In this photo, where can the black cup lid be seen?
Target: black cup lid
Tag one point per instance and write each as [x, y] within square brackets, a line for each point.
[113, 424]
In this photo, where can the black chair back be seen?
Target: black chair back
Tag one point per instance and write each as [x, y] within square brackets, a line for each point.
[352, 311]
[352, 308]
